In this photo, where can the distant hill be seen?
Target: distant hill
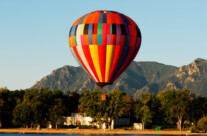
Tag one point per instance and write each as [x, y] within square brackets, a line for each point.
[139, 77]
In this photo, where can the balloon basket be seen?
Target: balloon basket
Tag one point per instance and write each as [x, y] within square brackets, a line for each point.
[103, 97]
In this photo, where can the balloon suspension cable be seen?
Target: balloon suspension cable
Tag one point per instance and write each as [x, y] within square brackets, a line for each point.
[101, 85]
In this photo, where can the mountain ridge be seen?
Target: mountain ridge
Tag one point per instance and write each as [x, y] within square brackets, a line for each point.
[143, 76]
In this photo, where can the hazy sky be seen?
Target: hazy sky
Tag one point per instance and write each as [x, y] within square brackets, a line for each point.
[34, 34]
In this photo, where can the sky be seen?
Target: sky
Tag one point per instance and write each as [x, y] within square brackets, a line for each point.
[34, 34]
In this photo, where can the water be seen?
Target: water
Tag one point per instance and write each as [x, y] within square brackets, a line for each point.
[17, 134]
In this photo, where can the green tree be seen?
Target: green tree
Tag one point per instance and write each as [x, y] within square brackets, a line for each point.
[142, 110]
[202, 123]
[103, 111]
[72, 101]
[197, 108]
[129, 108]
[28, 112]
[56, 111]
[175, 104]
[8, 101]
[115, 105]
[23, 115]
[91, 103]
[46, 102]
[157, 114]
[3, 91]
[57, 107]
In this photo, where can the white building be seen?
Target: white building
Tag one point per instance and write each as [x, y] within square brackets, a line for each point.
[77, 119]
[82, 119]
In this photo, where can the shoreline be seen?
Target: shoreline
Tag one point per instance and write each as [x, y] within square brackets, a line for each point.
[98, 131]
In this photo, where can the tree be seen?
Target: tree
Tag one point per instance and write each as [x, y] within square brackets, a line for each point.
[57, 107]
[27, 112]
[129, 108]
[103, 111]
[3, 91]
[8, 101]
[197, 108]
[39, 106]
[202, 123]
[157, 114]
[142, 110]
[90, 102]
[115, 105]
[46, 102]
[23, 115]
[56, 111]
[72, 101]
[175, 104]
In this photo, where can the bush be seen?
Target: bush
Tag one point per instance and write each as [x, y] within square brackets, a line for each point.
[128, 128]
[202, 123]
[70, 126]
[194, 129]
[86, 127]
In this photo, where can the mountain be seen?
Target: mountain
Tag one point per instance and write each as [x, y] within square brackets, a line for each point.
[192, 76]
[139, 77]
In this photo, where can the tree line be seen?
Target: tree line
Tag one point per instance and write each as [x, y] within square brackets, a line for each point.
[23, 108]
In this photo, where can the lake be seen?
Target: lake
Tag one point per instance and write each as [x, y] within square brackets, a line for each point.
[17, 134]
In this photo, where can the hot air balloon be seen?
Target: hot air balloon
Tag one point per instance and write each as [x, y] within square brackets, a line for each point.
[104, 43]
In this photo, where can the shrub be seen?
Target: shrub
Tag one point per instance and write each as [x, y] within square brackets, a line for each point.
[70, 126]
[194, 129]
[86, 127]
[202, 123]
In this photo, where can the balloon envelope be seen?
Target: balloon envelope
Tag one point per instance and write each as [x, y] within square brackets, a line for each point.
[104, 43]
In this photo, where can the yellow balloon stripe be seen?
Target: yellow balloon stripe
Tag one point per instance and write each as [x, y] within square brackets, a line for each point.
[95, 58]
[82, 29]
[109, 59]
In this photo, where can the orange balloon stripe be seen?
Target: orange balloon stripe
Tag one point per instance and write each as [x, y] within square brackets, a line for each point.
[70, 41]
[90, 18]
[73, 41]
[76, 22]
[96, 18]
[85, 19]
[85, 39]
[94, 38]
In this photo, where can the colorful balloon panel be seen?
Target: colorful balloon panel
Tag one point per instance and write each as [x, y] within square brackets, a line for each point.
[104, 43]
